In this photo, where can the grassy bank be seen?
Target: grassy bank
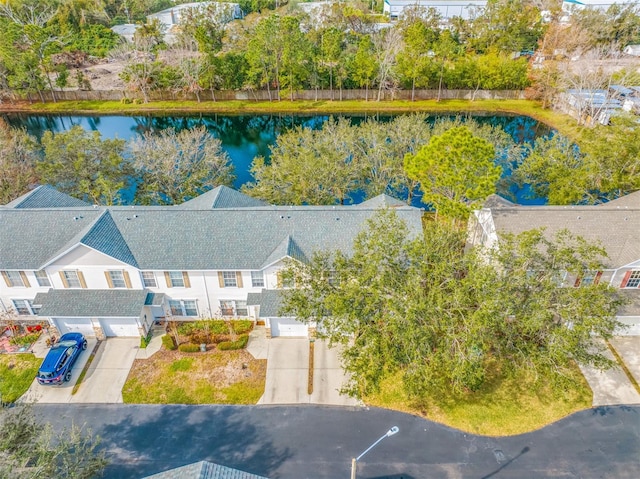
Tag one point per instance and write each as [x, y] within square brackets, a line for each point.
[558, 121]
[502, 407]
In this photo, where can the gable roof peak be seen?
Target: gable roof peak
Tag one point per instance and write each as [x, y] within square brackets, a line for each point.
[222, 197]
[45, 196]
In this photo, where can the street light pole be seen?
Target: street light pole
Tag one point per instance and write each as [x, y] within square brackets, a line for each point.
[354, 461]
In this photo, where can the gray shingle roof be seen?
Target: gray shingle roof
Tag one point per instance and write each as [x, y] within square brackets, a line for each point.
[105, 236]
[178, 238]
[204, 470]
[269, 300]
[29, 238]
[45, 197]
[114, 303]
[222, 197]
[382, 201]
[614, 227]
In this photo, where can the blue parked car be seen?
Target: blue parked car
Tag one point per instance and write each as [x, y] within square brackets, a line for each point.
[57, 365]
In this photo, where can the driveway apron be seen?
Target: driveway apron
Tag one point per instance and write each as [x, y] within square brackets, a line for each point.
[628, 347]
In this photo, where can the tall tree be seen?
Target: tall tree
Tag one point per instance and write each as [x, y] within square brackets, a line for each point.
[364, 64]
[442, 318]
[18, 156]
[387, 44]
[415, 61]
[175, 167]
[456, 171]
[82, 164]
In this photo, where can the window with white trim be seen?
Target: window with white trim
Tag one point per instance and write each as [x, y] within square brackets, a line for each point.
[633, 281]
[177, 279]
[42, 278]
[230, 279]
[233, 307]
[257, 279]
[13, 279]
[588, 278]
[183, 307]
[73, 281]
[149, 279]
[25, 307]
[117, 279]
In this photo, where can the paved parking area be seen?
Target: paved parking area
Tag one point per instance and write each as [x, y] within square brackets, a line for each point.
[59, 394]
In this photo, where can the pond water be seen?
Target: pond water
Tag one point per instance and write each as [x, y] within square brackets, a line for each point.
[244, 137]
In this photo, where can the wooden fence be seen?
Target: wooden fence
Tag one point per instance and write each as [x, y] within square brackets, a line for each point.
[263, 95]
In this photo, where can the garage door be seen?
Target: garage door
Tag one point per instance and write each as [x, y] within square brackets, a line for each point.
[288, 327]
[75, 325]
[120, 327]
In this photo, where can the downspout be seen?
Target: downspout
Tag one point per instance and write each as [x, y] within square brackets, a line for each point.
[206, 289]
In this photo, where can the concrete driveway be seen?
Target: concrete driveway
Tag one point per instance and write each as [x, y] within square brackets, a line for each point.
[288, 374]
[610, 387]
[628, 348]
[103, 381]
[58, 394]
[108, 371]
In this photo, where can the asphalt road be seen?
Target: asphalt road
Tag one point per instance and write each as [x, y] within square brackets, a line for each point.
[318, 442]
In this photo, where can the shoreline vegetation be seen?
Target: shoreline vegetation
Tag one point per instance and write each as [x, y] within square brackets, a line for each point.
[561, 122]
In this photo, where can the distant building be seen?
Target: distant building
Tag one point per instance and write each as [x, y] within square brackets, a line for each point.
[125, 31]
[447, 9]
[169, 18]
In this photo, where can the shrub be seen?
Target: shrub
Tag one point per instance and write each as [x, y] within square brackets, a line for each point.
[189, 348]
[242, 326]
[241, 343]
[126, 101]
[187, 328]
[168, 343]
[219, 326]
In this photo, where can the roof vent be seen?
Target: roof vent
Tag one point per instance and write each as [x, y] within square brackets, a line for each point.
[76, 218]
[95, 206]
[281, 217]
[337, 219]
[579, 217]
[135, 216]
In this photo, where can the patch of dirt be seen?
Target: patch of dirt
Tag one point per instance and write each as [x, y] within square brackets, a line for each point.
[215, 369]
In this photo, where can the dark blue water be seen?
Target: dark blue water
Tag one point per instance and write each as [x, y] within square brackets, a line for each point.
[244, 137]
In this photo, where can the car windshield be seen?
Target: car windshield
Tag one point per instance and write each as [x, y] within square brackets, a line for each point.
[64, 344]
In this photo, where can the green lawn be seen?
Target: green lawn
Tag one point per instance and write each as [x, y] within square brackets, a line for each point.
[561, 122]
[501, 408]
[17, 372]
[214, 377]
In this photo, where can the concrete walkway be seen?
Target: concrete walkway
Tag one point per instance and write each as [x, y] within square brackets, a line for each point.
[154, 345]
[258, 344]
[610, 387]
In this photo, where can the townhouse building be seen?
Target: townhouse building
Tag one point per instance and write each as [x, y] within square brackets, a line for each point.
[614, 225]
[114, 270]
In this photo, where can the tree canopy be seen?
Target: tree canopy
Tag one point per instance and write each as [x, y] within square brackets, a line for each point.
[442, 318]
[456, 171]
[29, 450]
